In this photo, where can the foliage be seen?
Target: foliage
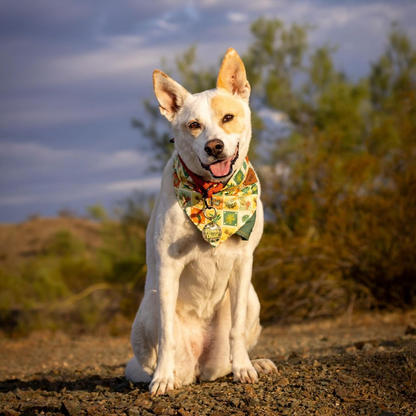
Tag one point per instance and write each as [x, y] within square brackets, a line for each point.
[340, 192]
[340, 196]
[342, 223]
[67, 284]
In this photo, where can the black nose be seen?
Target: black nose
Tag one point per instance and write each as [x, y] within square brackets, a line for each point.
[214, 147]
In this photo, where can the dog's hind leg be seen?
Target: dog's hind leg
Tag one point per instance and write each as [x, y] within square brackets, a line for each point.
[135, 373]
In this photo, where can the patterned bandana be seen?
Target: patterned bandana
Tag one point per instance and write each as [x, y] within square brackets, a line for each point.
[235, 204]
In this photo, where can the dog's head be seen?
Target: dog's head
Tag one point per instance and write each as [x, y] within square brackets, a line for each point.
[212, 129]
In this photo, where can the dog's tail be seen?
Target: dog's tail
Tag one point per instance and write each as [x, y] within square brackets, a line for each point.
[135, 373]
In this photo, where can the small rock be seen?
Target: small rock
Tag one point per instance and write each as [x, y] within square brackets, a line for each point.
[143, 403]
[411, 329]
[367, 347]
[249, 390]
[324, 411]
[235, 401]
[95, 409]
[10, 412]
[69, 408]
[159, 409]
[283, 382]
[173, 393]
[359, 345]
[133, 412]
[252, 402]
[347, 379]
[183, 412]
[316, 363]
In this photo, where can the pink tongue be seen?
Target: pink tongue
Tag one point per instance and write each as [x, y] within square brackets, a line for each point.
[221, 168]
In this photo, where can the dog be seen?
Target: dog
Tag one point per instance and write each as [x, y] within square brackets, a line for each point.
[199, 316]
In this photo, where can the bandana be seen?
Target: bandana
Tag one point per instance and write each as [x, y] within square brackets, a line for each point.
[235, 203]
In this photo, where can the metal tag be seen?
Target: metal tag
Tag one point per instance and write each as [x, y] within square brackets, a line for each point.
[212, 233]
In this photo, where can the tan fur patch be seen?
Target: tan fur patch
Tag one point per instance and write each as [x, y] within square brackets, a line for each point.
[221, 106]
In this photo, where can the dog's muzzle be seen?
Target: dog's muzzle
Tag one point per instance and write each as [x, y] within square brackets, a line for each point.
[221, 167]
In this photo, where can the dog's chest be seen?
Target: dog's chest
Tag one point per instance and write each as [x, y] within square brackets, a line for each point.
[204, 279]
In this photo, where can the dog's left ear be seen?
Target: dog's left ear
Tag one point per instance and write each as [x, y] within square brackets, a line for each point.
[232, 76]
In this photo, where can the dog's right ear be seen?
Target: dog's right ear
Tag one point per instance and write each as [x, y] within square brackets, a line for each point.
[169, 93]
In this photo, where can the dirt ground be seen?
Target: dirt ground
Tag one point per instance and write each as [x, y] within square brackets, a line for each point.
[358, 366]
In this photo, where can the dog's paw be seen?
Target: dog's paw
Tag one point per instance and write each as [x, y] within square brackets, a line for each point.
[246, 374]
[162, 383]
[264, 366]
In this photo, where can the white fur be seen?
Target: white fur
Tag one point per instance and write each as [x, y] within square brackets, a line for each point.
[200, 313]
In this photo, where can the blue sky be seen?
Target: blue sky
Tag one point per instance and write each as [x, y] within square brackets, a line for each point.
[74, 72]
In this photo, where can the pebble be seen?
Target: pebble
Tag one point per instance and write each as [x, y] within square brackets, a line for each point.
[411, 329]
[283, 382]
[347, 379]
[70, 408]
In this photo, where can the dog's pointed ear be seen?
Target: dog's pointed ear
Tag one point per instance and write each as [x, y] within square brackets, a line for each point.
[169, 93]
[232, 76]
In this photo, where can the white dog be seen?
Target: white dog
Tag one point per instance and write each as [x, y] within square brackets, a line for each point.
[200, 313]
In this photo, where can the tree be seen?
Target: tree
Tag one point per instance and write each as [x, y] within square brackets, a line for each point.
[341, 218]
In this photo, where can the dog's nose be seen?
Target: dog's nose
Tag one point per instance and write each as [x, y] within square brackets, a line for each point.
[214, 147]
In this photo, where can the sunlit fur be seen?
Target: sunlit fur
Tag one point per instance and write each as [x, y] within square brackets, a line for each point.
[200, 313]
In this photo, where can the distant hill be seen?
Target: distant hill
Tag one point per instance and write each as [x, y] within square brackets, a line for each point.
[26, 240]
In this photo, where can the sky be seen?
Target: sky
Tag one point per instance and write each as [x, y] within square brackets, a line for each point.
[74, 73]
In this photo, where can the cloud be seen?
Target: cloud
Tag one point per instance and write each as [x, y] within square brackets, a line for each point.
[28, 112]
[237, 17]
[76, 71]
[29, 173]
[145, 184]
[87, 191]
[30, 160]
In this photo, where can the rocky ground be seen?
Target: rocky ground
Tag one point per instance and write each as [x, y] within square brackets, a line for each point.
[363, 366]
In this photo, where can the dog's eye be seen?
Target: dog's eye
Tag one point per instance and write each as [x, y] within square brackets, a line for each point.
[194, 125]
[227, 118]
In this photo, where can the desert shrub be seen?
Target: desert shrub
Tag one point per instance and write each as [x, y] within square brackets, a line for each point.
[340, 189]
[341, 229]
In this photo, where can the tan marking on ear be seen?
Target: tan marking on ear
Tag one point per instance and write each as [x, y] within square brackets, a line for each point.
[222, 105]
[232, 76]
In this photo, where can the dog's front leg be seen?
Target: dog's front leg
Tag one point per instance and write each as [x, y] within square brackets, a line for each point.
[242, 368]
[167, 290]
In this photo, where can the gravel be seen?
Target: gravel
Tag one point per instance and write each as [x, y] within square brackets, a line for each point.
[329, 368]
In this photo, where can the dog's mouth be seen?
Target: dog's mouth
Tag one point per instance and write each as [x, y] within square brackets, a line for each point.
[222, 167]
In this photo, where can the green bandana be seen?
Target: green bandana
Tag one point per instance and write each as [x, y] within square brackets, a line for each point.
[235, 204]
